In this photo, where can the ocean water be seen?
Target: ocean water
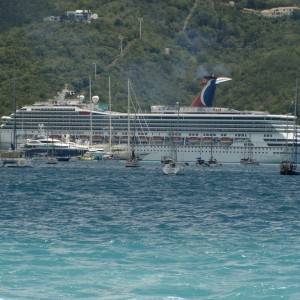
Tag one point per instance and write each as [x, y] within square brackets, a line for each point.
[98, 230]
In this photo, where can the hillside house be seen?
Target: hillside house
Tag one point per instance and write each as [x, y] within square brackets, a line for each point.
[79, 15]
[279, 11]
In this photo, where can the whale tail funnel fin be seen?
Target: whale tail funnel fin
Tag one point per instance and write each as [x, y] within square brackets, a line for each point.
[206, 97]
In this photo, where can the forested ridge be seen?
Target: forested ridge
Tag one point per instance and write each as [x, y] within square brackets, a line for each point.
[260, 54]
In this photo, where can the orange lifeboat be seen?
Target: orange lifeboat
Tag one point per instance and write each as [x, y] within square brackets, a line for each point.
[226, 140]
[98, 137]
[206, 140]
[143, 139]
[115, 138]
[194, 140]
[55, 136]
[177, 139]
[156, 138]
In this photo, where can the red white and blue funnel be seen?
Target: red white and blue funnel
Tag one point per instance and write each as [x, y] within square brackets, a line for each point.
[206, 97]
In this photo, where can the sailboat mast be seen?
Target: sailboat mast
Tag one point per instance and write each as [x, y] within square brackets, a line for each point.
[250, 147]
[15, 112]
[177, 132]
[128, 111]
[91, 120]
[109, 98]
[295, 122]
[211, 140]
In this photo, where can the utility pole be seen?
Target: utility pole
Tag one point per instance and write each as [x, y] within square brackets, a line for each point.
[121, 44]
[140, 19]
[95, 69]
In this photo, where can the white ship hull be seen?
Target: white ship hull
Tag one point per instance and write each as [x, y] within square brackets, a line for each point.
[190, 153]
[222, 154]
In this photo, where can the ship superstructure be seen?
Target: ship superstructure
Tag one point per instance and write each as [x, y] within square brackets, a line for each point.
[197, 130]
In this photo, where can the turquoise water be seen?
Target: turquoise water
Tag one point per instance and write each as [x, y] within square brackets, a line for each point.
[98, 230]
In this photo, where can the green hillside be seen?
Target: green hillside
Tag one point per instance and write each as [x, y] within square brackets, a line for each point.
[261, 55]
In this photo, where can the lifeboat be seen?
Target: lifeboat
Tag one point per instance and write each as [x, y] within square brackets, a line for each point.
[124, 139]
[177, 139]
[115, 138]
[84, 113]
[226, 140]
[55, 136]
[194, 140]
[84, 137]
[143, 139]
[206, 140]
[97, 137]
[157, 139]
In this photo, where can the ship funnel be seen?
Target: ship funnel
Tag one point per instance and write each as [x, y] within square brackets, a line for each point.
[206, 97]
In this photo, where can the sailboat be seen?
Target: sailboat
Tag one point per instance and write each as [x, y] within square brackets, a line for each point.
[133, 160]
[94, 152]
[212, 162]
[200, 162]
[13, 157]
[51, 159]
[249, 160]
[290, 166]
[117, 149]
[113, 152]
[171, 165]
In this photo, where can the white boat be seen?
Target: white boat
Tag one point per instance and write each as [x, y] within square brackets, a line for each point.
[96, 152]
[173, 168]
[133, 161]
[249, 161]
[289, 165]
[42, 144]
[13, 158]
[51, 160]
[212, 162]
[171, 165]
[248, 156]
[86, 157]
[196, 123]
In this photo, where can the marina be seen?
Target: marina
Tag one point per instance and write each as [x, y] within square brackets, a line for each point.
[203, 130]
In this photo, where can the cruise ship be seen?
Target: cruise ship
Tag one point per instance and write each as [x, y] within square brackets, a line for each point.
[198, 130]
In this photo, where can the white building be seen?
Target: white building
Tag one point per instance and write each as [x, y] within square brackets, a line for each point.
[279, 11]
[81, 15]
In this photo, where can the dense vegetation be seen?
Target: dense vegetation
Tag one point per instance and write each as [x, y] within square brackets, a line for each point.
[261, 55]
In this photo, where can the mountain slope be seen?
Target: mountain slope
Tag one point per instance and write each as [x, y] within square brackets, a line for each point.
[260, 54]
